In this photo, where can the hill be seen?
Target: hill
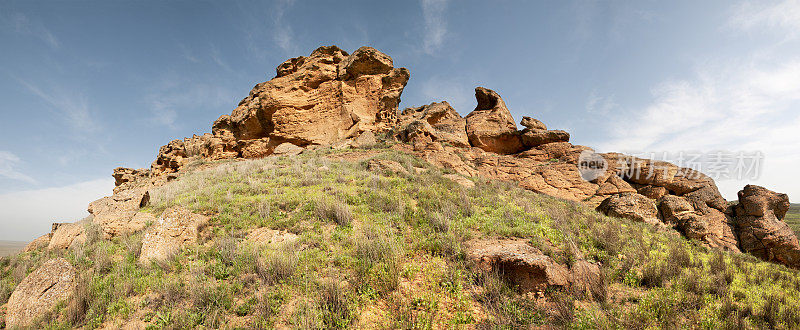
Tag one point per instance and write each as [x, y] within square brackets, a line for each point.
[317, 204]
[793, 218]
[390, 248]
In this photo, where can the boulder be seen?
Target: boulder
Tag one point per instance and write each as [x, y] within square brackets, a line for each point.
[464, 182]
[436, 122]
[652, 192]
[383, 165]
[532, 138]
[128, 177]
[519, 263]
[705, 224]
[532, 123]
[630, 206]
[287, 149]
[365, 140]
[115, 214]
[53, 282]
[64, 235]
[39, 243]
[175, 228]
[762, 232]
[271, 237]
[490, 126]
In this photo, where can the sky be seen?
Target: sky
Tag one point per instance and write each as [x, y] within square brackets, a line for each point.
[87, 86]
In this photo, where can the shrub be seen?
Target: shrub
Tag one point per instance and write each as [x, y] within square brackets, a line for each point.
[333, 209]
[278, 265]
[334, 304]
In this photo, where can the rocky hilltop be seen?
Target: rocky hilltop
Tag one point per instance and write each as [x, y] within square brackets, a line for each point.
[335, 100]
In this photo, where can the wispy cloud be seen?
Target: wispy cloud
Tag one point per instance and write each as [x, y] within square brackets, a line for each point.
[456, 91]
[172, 97]
[778, 15]
[8, 168]
[435, 29]
[25, 25]
[71, 106]
[597, 104]
[282, 31]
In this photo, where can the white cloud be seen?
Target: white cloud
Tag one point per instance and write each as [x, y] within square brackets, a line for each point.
[27, 214]
[433, 12]
[776, 15]
[8, 164]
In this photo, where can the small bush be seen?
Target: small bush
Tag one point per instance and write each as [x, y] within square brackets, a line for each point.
[334, 304]
[278, 265]
[334, 210]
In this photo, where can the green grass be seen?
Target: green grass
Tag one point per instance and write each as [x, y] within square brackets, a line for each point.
[793, 218]
[387, 249]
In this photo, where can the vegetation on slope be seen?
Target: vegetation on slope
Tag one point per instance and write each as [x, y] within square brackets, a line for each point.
[793, 218]
[387, 250]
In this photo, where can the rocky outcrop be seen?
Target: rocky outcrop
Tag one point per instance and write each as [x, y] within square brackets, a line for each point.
[175, 228]
[519, 263]
[40, 292]
[65, 235]
[436, 122]
[490, 126]
[630, 206]
[316, 100]
[116, 214]
[762, 232]
[530, 270]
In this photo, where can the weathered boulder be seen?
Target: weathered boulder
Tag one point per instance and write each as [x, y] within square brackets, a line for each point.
[532, 123]
[364, 140]
[520, 263]
[762, 232]
[535, 137]
[271, 237]
[39, 243]
[436, 122]
[701, 223]
[614, 185]
[40, 292]
[115, 213]
[490, 126]
[64, 235]
[630, 206]
[287, 149]
[124, 178]
[175, 228]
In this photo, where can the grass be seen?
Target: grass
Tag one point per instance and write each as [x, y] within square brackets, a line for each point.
[387, 250]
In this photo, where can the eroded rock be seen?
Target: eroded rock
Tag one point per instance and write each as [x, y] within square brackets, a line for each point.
[762, 232]
[630, 206]
[175, 228]
[490, 126]
[39, 292]
[519, 263]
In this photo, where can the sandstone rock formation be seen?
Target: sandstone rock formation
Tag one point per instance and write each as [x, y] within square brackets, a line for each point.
[116, 214]
[39, 292]
[630, 206]
[436, 122]
[176, 227]
[64, 235]
[762, 232]
[519, 263]
[531, 271]
[316, 100]
[490, 126]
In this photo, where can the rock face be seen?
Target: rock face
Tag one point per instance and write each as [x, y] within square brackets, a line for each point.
[116, 214]
[316, 100]
[176, 227]
[39, 292]
[64, 235]
[490, 126]
[762, 232]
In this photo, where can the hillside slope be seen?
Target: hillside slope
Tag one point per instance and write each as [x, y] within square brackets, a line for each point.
[384, 240]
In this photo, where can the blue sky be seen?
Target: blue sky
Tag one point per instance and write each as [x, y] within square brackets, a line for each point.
[87, 86]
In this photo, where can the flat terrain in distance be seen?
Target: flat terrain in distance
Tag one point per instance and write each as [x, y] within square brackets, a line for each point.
[8, 248]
